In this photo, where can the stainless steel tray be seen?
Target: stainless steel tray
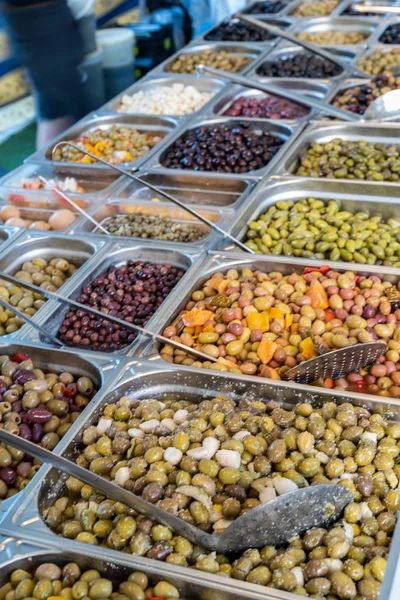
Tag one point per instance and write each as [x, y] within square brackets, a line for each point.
[383, 25]
[285, 50]
[78, 250]
[286, 131]
[97, 189]
[146, 380]
[366, 26]
[371, 49]
[8, 235]
[161, 125]
[283, 23]
[225, 100]
[324, 131]
[252, 51]
[353, 196]
[117, 253]
[102, 369]
[114, 207]
[200, 189]
[190, 586]
[203, 84]
[339, 11]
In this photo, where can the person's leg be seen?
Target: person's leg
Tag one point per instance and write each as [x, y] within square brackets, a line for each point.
[47, 42]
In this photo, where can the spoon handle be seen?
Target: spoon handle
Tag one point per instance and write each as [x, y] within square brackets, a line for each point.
[270, 88]
[111, 490]
[295, 40]
[30, 322]
[379, 10]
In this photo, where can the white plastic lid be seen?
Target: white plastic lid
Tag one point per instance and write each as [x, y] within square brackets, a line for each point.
[117, 46]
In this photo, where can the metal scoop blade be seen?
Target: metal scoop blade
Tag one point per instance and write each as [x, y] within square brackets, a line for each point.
[336, 363]
[386, 107]
[272, 523]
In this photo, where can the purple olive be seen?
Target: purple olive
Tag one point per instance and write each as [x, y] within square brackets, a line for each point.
[369, 312]
[37, 433]
[38, 415]
[22, 376]
[8, 475]
[17, 406]
[23, 468]
[25, 431]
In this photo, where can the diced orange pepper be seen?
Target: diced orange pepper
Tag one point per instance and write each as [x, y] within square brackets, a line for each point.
[288, 320]
[223, 286]
[308, 349]
[329, 315]
[101, 145]
[258, 321]
[317, 294]
[215, 281]
[208, 328]
[196, 317]
[276, 313]
[270, 373]
[294, 328]
[266, 350]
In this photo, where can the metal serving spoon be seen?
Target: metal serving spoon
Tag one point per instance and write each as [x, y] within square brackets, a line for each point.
[295, 40]
[30, 321]
[382, 9]
[270, 88]
[272, 523]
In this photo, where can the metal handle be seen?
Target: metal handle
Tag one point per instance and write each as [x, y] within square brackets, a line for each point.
[155, 189]
[270, 88]
[111, 490]
[379, 10]
[295, 40]
[98, 313]
[25, 318]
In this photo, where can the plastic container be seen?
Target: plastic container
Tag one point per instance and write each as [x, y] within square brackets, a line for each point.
[117, 45]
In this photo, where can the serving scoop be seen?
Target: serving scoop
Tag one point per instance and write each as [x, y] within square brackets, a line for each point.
[272, 523]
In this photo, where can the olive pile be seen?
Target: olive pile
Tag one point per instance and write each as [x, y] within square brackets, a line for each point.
[226, 61]
[267, 107]
[222, 148]
[311, 228]
[391, 35]
[156, 227]
[311, 8]
[267, 7]
[213, 461]
[357, 98]
[116, 145]
[69, 580]
[334, 37]
[345, 159]
[352, 12]
[380, 61]
[237, 31]
[132, 292]
[38, 405]
[260, 323]
[302, 64]
[48, 275]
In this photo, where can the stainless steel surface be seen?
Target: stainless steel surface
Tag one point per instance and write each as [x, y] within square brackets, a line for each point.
[337, 363]
[143, 123]
[206, 84]
[321, 131]
[284, 131]
[315, 89]
[8, 235]
[190, 585]
[200, 189]
[285, 50]
[379, 10]
[282, 23]
[252, 51]
[167, 195]
[343, 6]
[371, 197]
[149, 380]
[385, 108]
[314, 48]
[116, 254]
[113, 208]
[270, 88]
[273, 523]
[253, 9]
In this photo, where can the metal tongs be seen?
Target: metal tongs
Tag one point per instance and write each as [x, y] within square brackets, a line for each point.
[272, 523]
[355, 71]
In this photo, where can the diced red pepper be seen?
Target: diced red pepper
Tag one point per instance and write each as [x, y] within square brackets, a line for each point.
[155, 598]
[16, 199]
[67, 392]
[20, 357]
[324, 269]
